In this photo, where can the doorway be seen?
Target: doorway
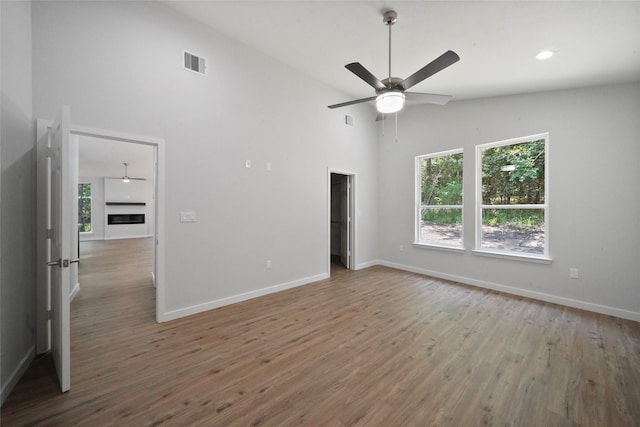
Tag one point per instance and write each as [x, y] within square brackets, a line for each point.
[156, 146]
[116, 213]
[341, 223]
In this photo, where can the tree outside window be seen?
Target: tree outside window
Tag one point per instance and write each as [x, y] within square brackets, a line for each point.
[512, 205]
[439, 198]
[84, 208]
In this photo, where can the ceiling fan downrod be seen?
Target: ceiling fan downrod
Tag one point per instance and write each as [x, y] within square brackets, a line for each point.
[389, 18]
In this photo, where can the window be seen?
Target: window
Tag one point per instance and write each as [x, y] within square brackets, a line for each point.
[512, 197]
[84, 208]
[439, 199]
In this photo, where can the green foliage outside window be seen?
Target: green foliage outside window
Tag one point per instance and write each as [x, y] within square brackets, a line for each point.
[514, 174]
[441, 185]
[84, 207]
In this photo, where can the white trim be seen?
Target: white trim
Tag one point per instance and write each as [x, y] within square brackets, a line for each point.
[450, 248]
[74, 291]
[199, 308]
[14, 377]
[513, 141]
[516, 256]
[142, 236]
[568, 302]
[89, 238]
[367, 264]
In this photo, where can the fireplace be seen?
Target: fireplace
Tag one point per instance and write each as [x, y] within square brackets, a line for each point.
[118, 219]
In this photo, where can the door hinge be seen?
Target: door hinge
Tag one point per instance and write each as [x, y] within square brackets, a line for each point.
[49, 233]
[49, 315]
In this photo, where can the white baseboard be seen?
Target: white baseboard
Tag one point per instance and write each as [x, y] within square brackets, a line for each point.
[74, 292]
[141, 236]
[596, 308]
[199, 308]
[17, 373]
[367, 264]
[88, 239]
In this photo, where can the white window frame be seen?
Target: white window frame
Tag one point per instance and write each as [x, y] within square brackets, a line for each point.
[418, 203]
[541, 258]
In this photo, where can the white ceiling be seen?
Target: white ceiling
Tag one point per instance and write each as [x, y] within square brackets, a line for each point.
[103, 157]
[596, 42]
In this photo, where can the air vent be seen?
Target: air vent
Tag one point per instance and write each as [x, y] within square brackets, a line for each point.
[194, 63]
[348, 120]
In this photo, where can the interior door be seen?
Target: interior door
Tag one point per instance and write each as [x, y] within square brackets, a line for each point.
[60, 237]
[345, 221]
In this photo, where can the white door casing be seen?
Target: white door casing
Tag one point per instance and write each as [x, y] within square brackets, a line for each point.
[345, 221]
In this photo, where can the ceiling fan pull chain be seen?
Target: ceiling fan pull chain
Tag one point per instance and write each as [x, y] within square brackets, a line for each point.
[396, 126]
[383, 125]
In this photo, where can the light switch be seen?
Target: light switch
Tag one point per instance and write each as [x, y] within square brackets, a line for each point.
[187, 217]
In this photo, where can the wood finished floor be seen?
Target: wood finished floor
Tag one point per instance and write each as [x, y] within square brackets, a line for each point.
[376, 347]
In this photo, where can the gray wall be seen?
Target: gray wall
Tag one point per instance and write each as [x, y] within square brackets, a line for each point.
[17, 201]
[118, 66]
[594, 208]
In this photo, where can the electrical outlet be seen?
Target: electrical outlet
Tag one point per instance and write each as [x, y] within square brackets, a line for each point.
[573, 273]
[247, 164]
[268, 264]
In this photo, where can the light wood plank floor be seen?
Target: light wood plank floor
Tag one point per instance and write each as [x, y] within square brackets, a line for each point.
[376, 347]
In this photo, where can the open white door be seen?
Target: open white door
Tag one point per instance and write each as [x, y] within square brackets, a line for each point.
[60, 236]
[345, 222]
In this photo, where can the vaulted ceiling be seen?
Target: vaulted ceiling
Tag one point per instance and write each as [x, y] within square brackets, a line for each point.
[595, 42]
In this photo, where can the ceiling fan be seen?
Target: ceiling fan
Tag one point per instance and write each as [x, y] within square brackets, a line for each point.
[126, 177]
[391, 92]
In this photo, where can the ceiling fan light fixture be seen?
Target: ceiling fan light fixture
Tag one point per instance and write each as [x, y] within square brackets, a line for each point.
[126, 179]
[390, 102]
[545, 54]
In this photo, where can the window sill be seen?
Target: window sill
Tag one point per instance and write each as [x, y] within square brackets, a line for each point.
[513, 256]
[456, 249]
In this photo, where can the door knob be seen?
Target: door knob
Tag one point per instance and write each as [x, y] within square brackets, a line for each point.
[55, 263]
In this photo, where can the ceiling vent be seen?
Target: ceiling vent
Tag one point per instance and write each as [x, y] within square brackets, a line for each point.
[194, 63]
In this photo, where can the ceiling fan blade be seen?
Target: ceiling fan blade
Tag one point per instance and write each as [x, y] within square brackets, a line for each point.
[438, 64]
[357, 69]
[427, 98]
[357, 101]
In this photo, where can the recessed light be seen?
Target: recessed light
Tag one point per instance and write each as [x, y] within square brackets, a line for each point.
[545, 54]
